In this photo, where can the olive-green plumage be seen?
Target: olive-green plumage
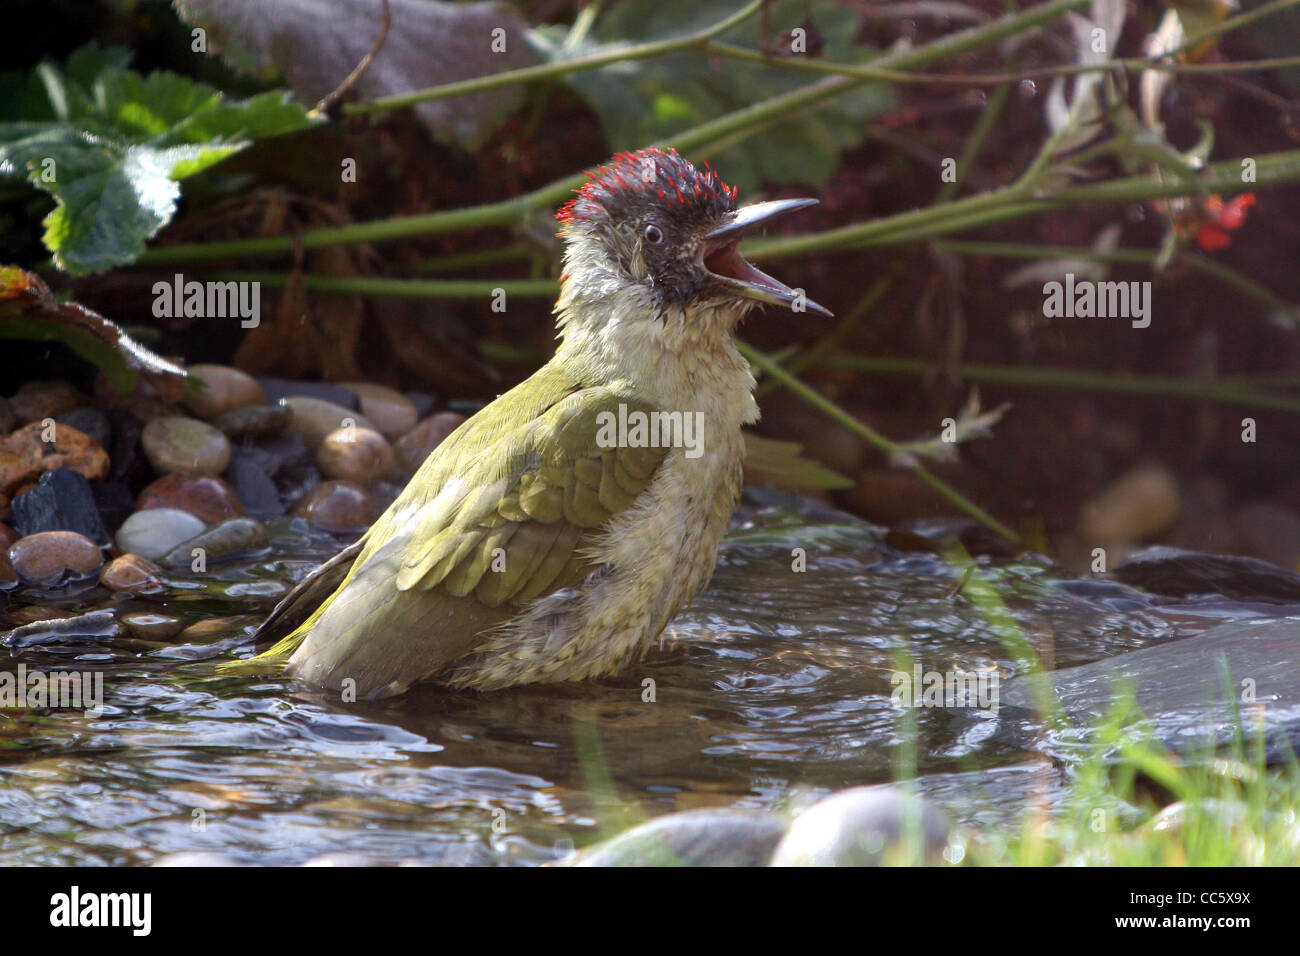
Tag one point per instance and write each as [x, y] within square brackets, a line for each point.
[529, 546]
[497, 517]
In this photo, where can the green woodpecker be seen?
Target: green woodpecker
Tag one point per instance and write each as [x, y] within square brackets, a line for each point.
[554, 534]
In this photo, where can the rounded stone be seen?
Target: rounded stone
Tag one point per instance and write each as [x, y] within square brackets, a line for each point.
[339, 506]
[416, 445]
[254, 421]
[27, 449]
[185, 444]
[867, 826]
[355, 454]
[392, 412]
[222, 388]
[8, 576]
[1137, 505]
[195, 858]
[230, 539]
[214, 629]
[7, 536]
[712, 837]
[91, 422]
[155, 532]
[204, 496]
[16, 471]
[314, 418]
[53, 557]
[131, 574]
[148, 626]
[35, 401]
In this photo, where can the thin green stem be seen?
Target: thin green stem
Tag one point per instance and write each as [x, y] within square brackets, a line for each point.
[559, 68]
[404, 288]
[979, 134]
[1235, 23]
[1071, 379]
[474, 258]
[1225, 273]
[1016, 200]
[872, 437]
[860, 310]
[1133, 64]
[514, 210]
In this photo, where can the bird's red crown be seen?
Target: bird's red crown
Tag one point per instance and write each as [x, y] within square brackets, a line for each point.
[653, 174]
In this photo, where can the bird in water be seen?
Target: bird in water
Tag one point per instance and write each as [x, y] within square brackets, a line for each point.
[554, 534]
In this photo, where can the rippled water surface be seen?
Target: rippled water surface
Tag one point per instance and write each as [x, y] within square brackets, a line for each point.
[772, 688]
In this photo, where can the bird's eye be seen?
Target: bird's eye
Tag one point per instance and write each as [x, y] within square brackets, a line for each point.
[653, 234]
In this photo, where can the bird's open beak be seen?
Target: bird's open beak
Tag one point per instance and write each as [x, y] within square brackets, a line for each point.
[721, 256]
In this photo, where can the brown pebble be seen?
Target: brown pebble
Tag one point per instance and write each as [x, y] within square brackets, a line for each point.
[50, 557]
[417, 444]
[211, 629]
[148, 626]
[36, 401]
[355, 454]
[25, 454]
[8, 576]
[204, 496]
[1137, 505]
[224, 388]
[314, 418]
[132, 574]
[339, 506]
[389, 410]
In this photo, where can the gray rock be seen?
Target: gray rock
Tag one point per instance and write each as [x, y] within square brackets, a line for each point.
[97, 625]
[867, 826]
[694, 838]
[156, 531]
[248, 475]
[1190, 691]
[61, 501]
[232, 538]
[1173, 571]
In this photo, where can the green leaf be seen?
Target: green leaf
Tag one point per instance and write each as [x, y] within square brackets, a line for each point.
[110, 146]
[646, 101]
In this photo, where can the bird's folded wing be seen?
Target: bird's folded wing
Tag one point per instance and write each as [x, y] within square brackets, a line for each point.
[511, 524]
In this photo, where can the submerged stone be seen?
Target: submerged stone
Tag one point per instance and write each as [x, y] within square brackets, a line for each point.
[233, 538]
[1196, 693]
[868, 826]
[721, 837]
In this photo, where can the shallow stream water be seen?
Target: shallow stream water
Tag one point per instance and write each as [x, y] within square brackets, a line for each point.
[772, 689]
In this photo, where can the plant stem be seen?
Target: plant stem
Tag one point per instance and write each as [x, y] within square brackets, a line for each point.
[404, 288]
[1014, 250]
[1061, 378]
[872, 437]
[546, 71]
[748, 119]
[1018, 199]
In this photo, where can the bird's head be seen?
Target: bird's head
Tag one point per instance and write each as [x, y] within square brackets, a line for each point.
[651, 234]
